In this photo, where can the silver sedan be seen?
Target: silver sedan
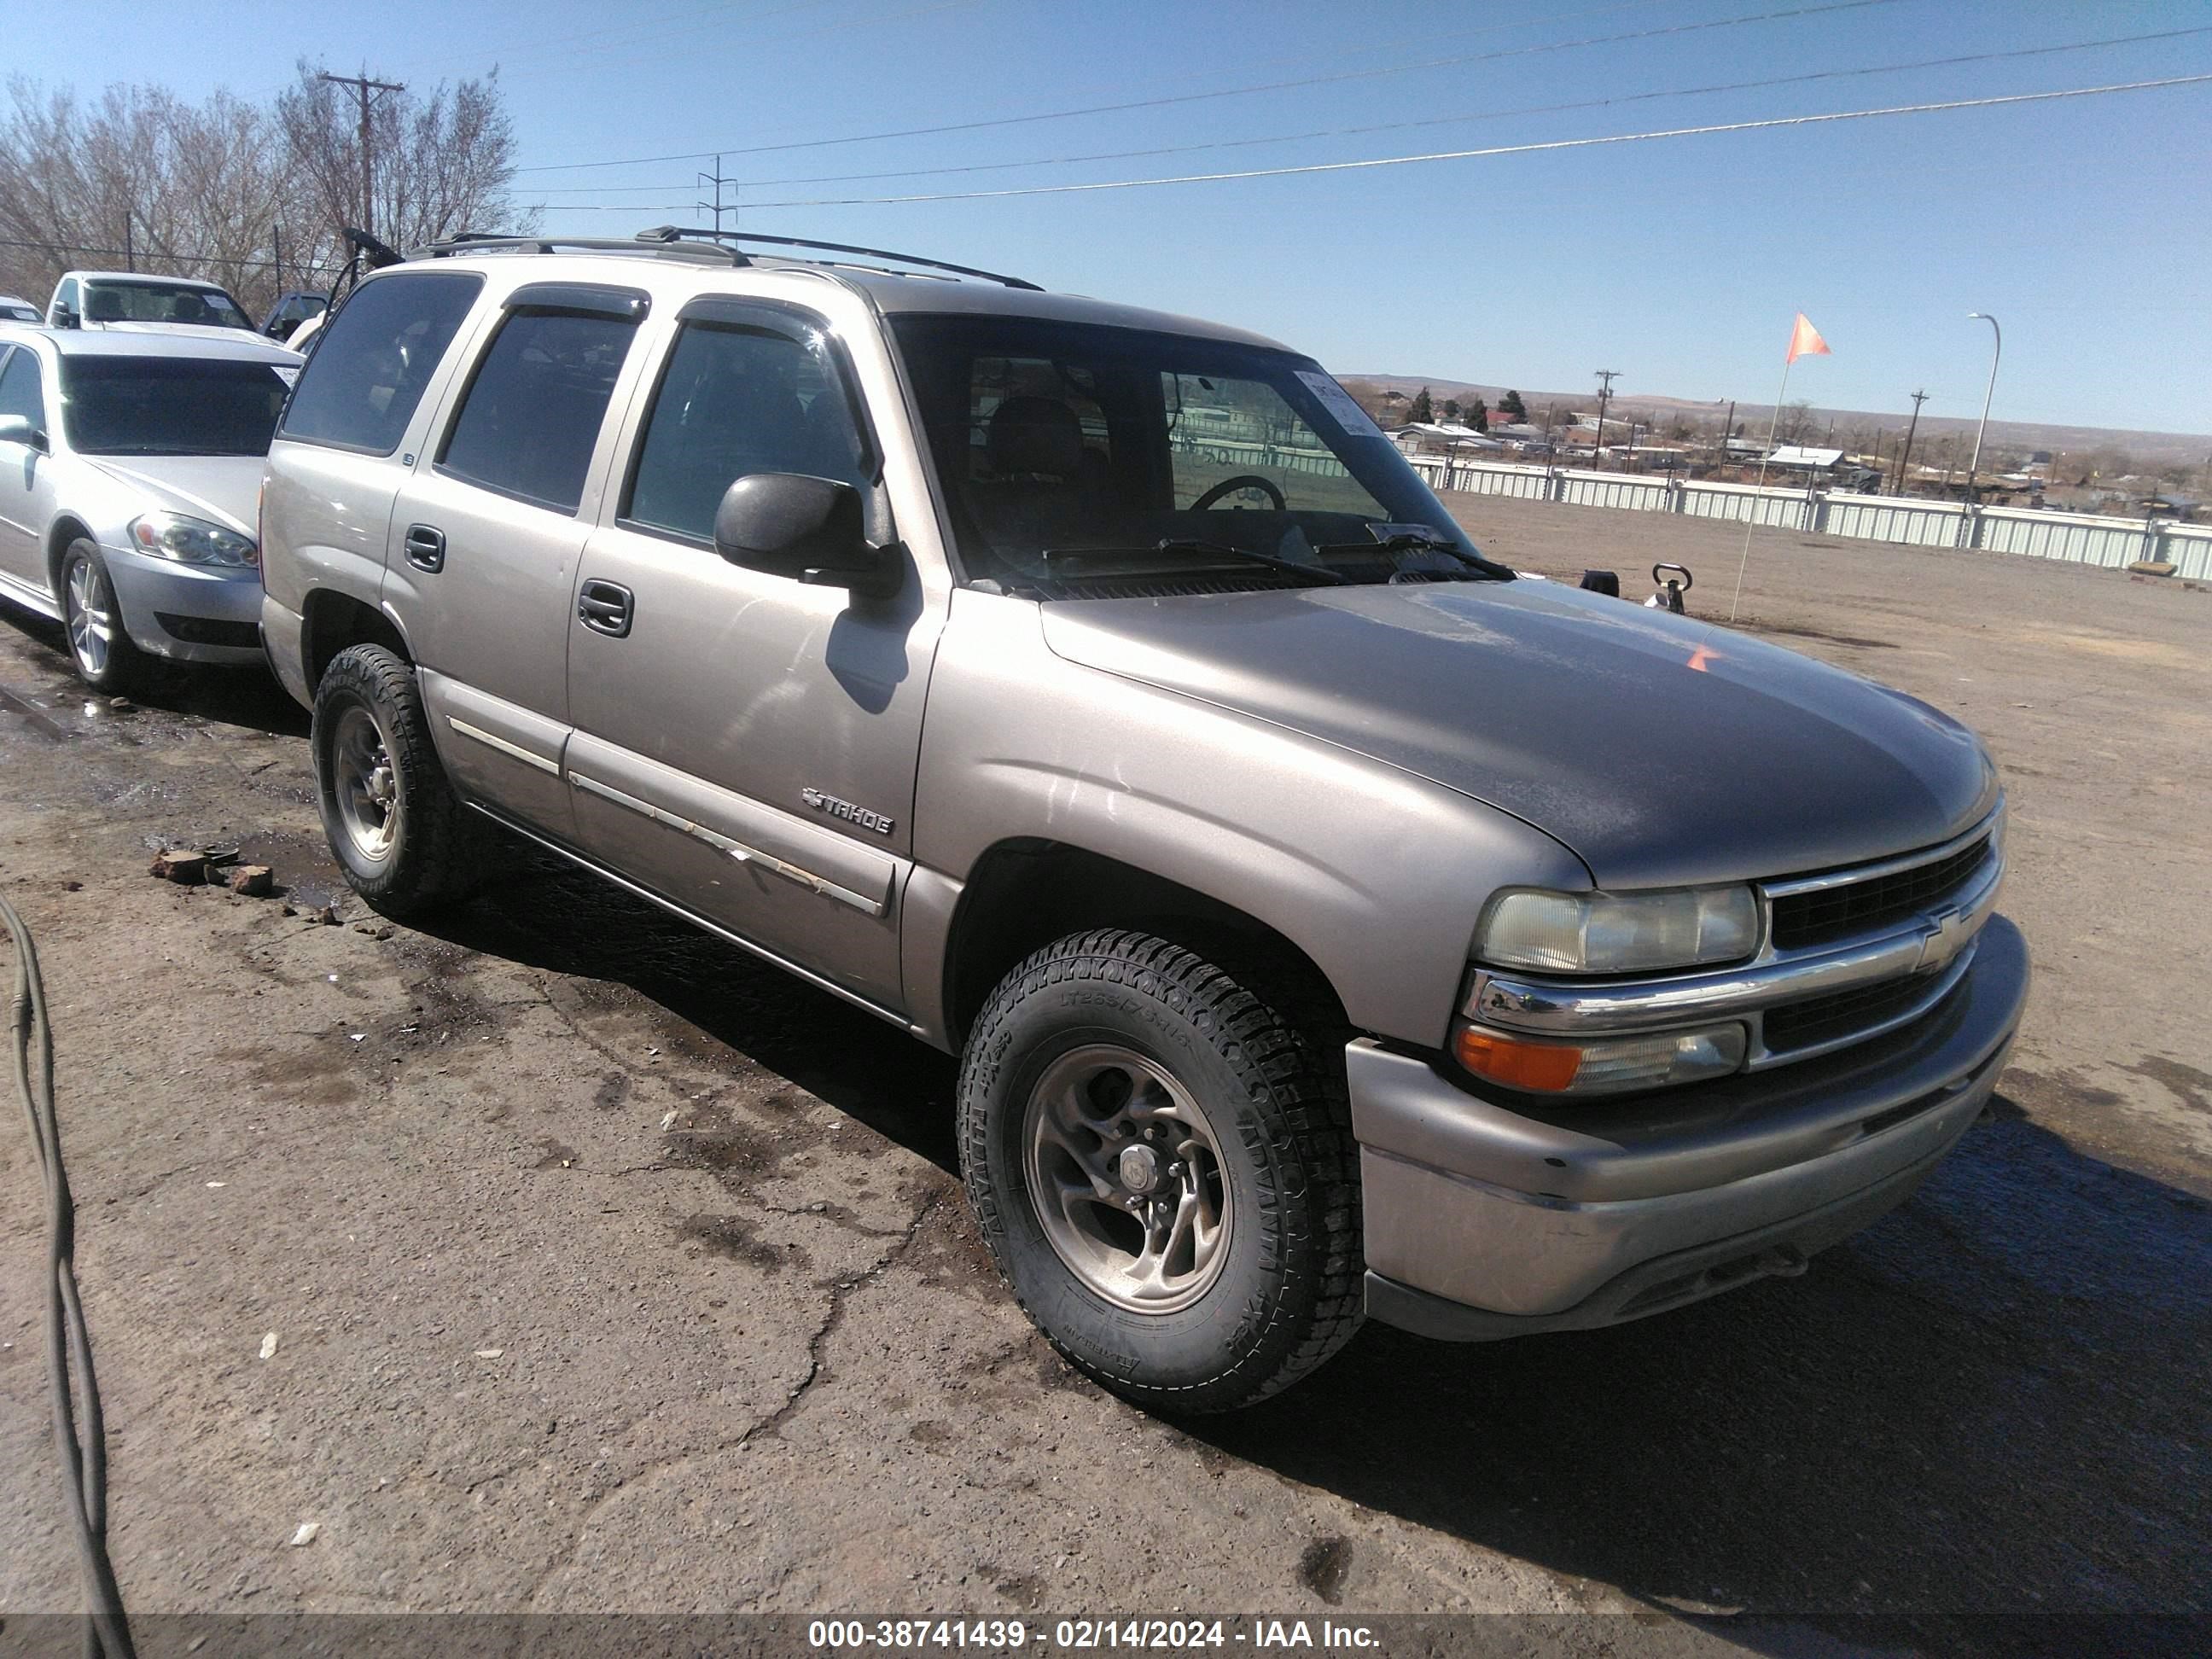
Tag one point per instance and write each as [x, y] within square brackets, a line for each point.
[130, 478]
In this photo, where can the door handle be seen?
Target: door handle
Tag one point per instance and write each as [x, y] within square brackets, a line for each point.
[425, 547]
[604, 608]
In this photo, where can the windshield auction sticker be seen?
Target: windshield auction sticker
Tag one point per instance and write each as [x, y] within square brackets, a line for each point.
[1338, 402]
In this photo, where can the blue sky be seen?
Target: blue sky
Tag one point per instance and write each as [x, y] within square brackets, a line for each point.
[2083, 225]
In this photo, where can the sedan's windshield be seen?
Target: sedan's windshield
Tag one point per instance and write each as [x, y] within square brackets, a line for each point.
[1073, 452]
[161, 302]
[169, 405]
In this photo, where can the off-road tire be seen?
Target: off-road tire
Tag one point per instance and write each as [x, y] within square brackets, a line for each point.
[435, 856]
[1290, 1293]
[127, 668]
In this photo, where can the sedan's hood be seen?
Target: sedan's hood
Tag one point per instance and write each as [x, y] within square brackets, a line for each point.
[1661, 749]
[224, 490]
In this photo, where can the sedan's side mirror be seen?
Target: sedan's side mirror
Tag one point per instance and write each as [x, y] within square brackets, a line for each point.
[18, 429]
[811, 530]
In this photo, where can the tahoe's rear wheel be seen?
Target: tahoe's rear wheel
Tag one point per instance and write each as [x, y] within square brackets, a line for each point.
[1163, 1166]
[400, 834]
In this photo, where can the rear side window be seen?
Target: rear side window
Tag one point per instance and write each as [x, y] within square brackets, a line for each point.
[374, 359]
[531, 416]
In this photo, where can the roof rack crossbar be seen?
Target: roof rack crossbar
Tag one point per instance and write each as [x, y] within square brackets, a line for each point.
[671, 232]
[701, 253]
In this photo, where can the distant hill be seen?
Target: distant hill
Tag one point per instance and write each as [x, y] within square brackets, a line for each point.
[2156, 448]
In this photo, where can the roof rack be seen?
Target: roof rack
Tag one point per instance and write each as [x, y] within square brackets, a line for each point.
[667, 247]
[670, 234]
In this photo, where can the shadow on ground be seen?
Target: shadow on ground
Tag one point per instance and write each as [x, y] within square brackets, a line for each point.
[1993, 1401]
[248, 696]
[550, 914]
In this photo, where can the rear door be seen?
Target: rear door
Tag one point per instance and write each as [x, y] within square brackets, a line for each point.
[487, 531]
[744, 744]
[351, 428]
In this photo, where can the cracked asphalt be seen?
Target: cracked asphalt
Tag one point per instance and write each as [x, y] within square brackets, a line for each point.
[608, 1269]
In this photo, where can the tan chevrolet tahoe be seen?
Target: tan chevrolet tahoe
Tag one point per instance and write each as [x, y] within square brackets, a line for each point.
[1329, 922]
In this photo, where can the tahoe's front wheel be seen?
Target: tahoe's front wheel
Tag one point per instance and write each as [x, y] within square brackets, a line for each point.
[1161, 1164]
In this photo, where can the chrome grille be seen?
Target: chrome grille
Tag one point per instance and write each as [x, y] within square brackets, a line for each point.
[1825, 915]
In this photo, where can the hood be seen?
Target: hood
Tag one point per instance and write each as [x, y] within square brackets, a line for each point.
[1661, 749]
[224, 490]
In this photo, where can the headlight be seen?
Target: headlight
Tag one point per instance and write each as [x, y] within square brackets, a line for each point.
[1618, 933]
[192, 541]
[1599, 1066]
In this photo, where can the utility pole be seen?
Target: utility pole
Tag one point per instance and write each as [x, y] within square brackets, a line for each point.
[1918, 398]
[715, 207]
[277, 253]
[363, 86]
[1605, 379]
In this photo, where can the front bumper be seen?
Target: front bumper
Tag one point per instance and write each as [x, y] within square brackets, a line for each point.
[1484, 1220]
[186, 612]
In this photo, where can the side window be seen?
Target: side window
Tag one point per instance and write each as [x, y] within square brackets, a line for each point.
[531, 416]
[737, 399]
[374, 359]
[19, 387]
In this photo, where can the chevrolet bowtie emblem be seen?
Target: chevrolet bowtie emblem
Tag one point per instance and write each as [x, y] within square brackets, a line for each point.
[1949, 938]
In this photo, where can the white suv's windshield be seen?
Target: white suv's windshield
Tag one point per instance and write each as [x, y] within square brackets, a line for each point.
[161, 302]
[1072, 454]
[169, 405]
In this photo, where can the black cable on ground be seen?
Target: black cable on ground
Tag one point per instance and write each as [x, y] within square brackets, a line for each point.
[79, 1431]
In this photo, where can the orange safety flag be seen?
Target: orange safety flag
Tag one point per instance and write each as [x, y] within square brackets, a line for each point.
[1805, 341]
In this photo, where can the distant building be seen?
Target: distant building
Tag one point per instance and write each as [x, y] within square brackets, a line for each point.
[1441, 437]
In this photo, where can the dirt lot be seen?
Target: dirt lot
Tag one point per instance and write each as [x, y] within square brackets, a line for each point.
[607, 1269]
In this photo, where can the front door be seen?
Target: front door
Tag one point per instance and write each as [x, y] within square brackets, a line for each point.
[24, 475]
[486, 535]
[745, 745]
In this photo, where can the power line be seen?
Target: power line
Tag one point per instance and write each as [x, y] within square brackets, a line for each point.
[176, 258]
[1425, 121]
[1229, 92]
[1500, 149]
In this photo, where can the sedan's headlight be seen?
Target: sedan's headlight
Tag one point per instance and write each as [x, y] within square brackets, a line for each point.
[191, 541]
[1618, 933]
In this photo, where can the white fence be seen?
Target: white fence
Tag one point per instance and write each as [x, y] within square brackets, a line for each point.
[2077, 537]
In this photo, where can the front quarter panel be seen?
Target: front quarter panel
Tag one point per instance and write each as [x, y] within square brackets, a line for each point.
[1377, 875]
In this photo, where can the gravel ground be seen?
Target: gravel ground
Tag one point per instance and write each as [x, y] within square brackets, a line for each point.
[608, 1270]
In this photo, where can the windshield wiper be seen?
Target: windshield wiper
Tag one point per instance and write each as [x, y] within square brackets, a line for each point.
[1426, 541]
[1312, 572]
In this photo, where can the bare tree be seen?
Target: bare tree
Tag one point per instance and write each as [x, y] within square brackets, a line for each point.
[1796, 423]
[142, 179]
[442, 163]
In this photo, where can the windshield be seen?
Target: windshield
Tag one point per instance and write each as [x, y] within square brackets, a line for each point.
[169, 405]
[161, 302]
[1072, 451]
[15, 313]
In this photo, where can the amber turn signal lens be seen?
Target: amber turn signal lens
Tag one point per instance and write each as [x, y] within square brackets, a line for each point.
[1548, 1066]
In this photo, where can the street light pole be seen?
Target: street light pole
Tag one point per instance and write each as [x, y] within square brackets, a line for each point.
[1995, 353]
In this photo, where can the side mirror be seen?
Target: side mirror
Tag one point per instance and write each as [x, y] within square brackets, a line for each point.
[810, 530]
[18, 429]
[65, 318]
[281, 330]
